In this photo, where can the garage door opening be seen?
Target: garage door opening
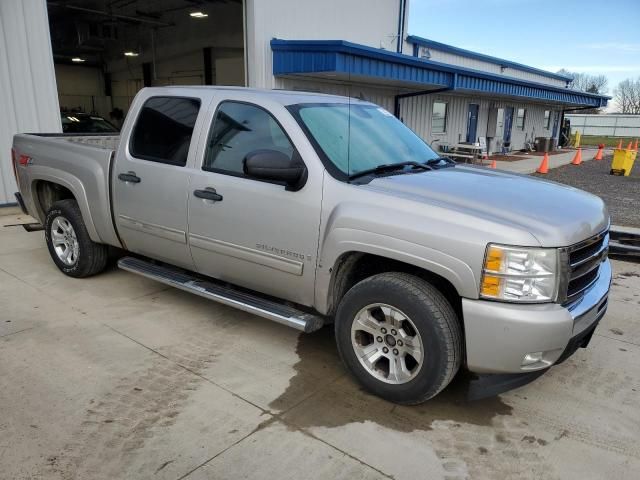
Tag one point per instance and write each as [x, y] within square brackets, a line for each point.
[106, 50]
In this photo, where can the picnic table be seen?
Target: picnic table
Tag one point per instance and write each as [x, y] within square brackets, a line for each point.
[466, 152]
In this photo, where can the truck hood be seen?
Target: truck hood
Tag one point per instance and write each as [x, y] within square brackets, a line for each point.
[556, 215]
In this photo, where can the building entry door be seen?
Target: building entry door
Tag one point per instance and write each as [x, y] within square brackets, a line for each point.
[508, 122]
[472, 122]
[556, 121]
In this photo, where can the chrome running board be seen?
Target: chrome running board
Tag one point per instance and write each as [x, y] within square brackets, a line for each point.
[240, 299]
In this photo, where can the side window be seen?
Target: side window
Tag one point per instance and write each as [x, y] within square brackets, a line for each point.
[520, 118]
[237, 130]
[439, 117]
[163, 130]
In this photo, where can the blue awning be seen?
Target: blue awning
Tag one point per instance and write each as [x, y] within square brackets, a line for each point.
[354, 62]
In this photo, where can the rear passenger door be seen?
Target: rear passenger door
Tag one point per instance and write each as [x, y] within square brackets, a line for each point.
[151, 178]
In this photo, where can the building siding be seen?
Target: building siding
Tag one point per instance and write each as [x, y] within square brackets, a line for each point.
[28, 96]
[453, 59]
[415, 112]
[378, 95]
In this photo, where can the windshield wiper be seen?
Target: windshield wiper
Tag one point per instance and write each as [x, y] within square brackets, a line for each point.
[389, 167]
[433, 161]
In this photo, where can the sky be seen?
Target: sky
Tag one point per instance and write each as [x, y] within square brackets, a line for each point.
[595, 37]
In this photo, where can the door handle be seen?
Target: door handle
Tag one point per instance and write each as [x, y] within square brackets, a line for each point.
[208, 194]
[130, 177]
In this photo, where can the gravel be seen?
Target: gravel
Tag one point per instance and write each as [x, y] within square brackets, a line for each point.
[621, 194]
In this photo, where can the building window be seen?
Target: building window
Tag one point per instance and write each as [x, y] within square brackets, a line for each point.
[547, 119]
[439, 117]
[520, 117]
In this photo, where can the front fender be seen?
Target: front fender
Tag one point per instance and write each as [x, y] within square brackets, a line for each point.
[344, 240]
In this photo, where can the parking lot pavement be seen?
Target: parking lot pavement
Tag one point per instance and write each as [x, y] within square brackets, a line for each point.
[120, 377]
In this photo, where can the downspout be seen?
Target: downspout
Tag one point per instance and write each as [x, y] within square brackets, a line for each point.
[400, 37]
[397, 98]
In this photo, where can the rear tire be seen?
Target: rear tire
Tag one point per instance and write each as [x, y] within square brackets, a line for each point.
[70, 246]
[399, 337]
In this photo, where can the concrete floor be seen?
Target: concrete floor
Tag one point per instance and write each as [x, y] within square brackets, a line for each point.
[118, 377]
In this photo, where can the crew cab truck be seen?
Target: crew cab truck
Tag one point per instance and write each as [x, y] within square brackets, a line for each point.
[312, 209]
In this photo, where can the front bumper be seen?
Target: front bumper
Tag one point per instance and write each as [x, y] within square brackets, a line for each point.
[499, 335]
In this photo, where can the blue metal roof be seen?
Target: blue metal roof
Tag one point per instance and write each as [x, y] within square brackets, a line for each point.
[297, 57]
[443, 47]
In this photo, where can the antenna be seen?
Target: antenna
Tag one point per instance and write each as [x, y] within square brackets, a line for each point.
[349, 121]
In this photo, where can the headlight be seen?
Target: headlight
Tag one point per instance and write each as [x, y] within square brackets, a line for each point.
[518, 274]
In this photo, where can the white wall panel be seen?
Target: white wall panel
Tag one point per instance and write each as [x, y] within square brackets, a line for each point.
[368, 22]
[28, 96]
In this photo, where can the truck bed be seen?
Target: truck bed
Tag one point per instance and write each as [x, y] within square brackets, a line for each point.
[80, 163]
[105, 141]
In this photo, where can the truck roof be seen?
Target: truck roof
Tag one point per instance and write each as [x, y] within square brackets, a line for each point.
[284, 97]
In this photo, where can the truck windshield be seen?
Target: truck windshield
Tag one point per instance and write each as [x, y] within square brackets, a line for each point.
[356, 138]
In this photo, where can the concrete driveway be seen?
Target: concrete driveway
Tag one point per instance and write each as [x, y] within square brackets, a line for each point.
[118, 377]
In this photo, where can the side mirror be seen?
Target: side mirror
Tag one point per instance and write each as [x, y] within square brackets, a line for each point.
[276, 166]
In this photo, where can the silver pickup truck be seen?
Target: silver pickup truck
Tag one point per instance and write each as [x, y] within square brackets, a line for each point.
[311, 209]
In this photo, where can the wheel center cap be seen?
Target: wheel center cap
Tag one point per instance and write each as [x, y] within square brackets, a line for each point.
[390, 340]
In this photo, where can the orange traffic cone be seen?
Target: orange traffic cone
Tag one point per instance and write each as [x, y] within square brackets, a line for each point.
[599, 154]
[544, 165]
[635, 146]
[577, 160]
[493, 164]
[629, 147]
[620, 145]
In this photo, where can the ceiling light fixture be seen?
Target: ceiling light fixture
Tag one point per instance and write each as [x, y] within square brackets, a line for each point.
[198, 15]
[77, 59]
[130, 54]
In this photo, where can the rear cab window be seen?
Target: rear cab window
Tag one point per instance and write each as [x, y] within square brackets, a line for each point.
[163, 130]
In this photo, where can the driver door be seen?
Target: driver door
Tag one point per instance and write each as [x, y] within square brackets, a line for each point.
[249, 232]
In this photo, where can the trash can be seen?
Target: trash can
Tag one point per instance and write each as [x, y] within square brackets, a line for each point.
[622, 161]
[542, 144]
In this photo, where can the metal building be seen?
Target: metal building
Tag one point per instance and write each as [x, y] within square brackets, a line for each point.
[101, 53]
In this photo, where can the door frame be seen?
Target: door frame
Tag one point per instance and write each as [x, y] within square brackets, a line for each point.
[291, 265]
[556, 123]
[475, 130]
[508, 124]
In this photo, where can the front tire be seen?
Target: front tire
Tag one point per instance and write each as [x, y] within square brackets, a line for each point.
[70, 246]
[399, 337]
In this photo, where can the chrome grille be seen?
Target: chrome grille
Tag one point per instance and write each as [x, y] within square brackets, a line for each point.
[584, 260]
